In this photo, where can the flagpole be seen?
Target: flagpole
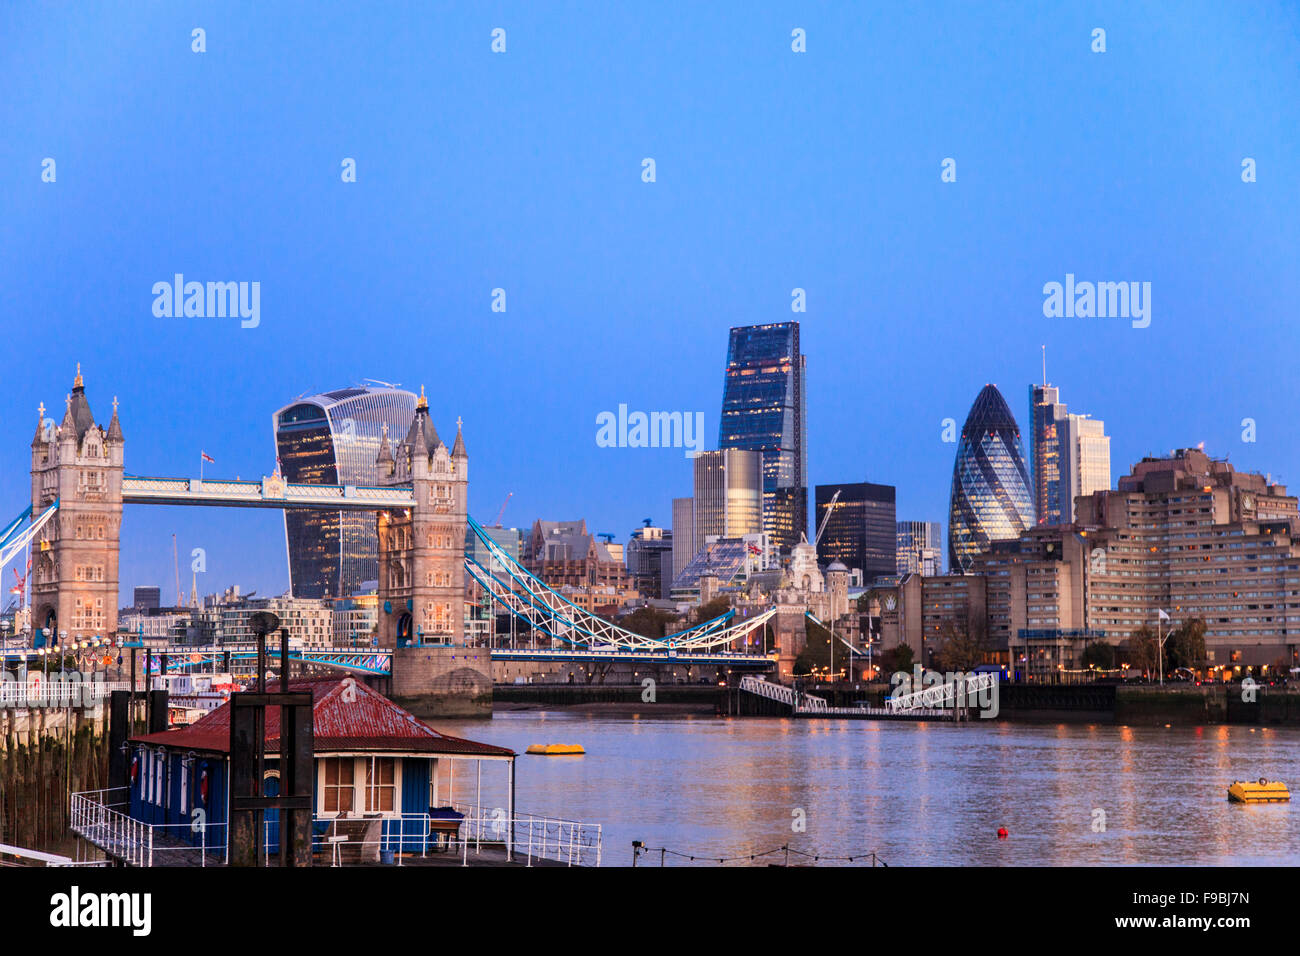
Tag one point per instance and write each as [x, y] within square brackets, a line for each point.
[200, 466]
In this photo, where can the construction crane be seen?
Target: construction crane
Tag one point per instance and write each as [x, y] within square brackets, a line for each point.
[20, 588]
[501, 513]
[826, 517]
[609, 538]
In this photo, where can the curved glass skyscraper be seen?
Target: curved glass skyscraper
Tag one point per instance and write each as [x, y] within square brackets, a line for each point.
[990, 485]
[333, 439]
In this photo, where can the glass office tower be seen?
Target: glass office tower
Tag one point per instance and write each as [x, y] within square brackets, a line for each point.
[1048, 455]
[728, 494]
[1069, 456]
[333, 439]
[862, 529]
[763, 410]
[920, 548]
[990, 485]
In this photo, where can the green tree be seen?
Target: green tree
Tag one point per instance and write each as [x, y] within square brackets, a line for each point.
[960, 649]
[716, 608]
[1099, 654]
[649, 621]
[1139, 650]
[817, 651]
[897, 658]
[1185, 646]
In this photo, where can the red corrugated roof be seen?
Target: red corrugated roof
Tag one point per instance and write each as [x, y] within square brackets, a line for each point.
[366, 721]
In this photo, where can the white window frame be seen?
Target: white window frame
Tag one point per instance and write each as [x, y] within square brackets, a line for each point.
[360, 763]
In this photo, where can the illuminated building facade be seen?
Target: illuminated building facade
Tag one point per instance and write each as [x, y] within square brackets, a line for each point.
[1069, 456]
[861, 531]
[990, 498]
[728, 494]
[331, 439]
[919, 546]
[763, 410]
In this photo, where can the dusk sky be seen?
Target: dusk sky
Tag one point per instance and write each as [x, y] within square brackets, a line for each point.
[522, 170]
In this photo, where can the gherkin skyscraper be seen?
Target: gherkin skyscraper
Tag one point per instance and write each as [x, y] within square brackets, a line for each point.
[990, 498]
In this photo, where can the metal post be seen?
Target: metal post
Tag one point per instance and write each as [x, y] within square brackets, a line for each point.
[510, 815]
[259, 736]
[285, 664]
[261, 663]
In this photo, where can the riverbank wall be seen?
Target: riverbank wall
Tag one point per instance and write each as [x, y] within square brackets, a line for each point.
[45, 755]
[1207, 704]
[1136, 705]
[682, 698]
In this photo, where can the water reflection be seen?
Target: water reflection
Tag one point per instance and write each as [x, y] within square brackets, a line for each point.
[916, 793]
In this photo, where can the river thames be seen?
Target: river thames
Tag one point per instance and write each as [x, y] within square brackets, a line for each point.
[916, 793]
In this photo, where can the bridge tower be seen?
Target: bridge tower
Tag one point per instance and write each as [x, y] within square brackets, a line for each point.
[422, 553]
[74, 566]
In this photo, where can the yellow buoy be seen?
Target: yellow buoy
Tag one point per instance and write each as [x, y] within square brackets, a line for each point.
[1258, 791]
[556, 750]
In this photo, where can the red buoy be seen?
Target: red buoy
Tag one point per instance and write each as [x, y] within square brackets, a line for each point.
[1002, 833]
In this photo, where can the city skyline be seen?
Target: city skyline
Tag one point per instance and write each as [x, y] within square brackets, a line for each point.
[916, 291]
[215, 586]
[663, 466]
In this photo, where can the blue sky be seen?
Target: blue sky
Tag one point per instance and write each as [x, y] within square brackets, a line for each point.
[522, 171]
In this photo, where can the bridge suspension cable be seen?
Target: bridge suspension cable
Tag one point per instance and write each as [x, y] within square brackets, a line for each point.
[15, 537]
[543, 608]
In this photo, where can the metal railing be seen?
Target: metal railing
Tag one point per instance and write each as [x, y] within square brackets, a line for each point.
[100, 817]
[95, 817]
[534, 837]
[943, 695]
[53, 692]
[779, 692]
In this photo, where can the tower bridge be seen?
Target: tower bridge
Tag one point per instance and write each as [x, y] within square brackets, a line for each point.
[269, 492]
[79, 487]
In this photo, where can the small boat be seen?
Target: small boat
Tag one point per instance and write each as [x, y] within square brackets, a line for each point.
[1258, 791]
[556, 750]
